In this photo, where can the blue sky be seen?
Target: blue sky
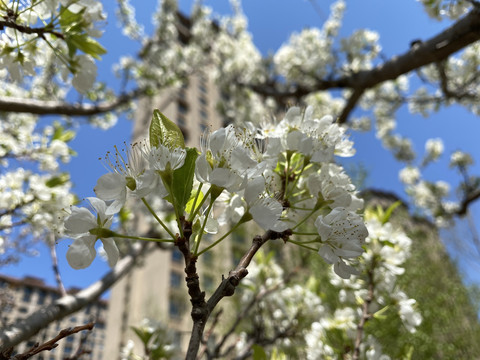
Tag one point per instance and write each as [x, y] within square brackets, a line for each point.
[271, 22]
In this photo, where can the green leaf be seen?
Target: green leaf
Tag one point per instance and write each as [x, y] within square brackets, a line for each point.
[164, 131]
[70, 21]
[61, 134]
[259, 353]
[57, 180]
[189, 208]
[143, 335]
[390, 210]
[183, 180]
[85, 43]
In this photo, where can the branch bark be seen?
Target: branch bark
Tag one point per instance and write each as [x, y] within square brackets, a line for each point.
[40, 31]
[201, 310]
[25, 328]
[461, 34]
[41, 107]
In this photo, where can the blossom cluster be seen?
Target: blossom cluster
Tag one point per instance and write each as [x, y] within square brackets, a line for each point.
[329, 327]
[278, 176]
[21, 60]
[387, 249]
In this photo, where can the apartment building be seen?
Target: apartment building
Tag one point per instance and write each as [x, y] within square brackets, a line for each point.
[21, 297]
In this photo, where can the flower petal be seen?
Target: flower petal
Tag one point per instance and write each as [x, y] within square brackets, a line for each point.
[81, 252]
[112, 251]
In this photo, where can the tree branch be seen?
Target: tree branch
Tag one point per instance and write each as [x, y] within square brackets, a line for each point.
[41, 107]
[25, 328]
[41, 31]
[52, 344]
[461, 34]
[366, 315]
[201, 310]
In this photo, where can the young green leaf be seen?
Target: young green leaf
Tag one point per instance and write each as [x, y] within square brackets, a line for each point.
[259, 353]
[164, 131]
[390, 210]
[189, 207]
[183, 180]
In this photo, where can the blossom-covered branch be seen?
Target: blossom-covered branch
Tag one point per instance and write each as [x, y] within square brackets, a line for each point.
[40, 31]
[51, 344]
[52, 107]
[25, 328]
[461, 34]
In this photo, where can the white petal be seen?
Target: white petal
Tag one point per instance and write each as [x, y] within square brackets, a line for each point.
[146, 183]
[253, 189]
[99, 205]
[202, 169]
[79, 221]
[111, 186]
[343, 270]
[111, 250]
[81, 252]
[266, 213]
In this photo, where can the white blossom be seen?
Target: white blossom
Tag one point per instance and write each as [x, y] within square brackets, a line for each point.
[78, 224]
[342, 235]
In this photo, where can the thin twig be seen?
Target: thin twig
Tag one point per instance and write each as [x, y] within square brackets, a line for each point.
[56, 270]
[52, 344]
[41, 31]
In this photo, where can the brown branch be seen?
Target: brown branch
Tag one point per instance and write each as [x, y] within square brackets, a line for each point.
[201, 310]
[351, 103]
[25, 328]
[216, 319]
[41, 31]
[52, 344]
[366, 315]
[217, 352]
[56, 270]
[461, 34]
[41, 107]
[471, 197]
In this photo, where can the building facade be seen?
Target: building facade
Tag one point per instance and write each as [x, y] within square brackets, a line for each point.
[21, 297]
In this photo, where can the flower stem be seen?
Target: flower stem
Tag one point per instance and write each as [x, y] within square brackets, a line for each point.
[219, 240]
[196, 210]
[301, 244]
[304, 233]
[197, 243]
[142, 238]
[305, 219]
[158, 219]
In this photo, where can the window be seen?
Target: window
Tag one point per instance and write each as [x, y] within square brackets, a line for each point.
[41, 297]
[208, 282]
[175, 279]
[203, 127]
[207, 257]
[22, 310]
[177, 339]
[100, 325]
[202, 88]
[238, 238]
[182, 108]
[181, 120]
[174, 309]
[27, 294]
[203, 115]
[67, 350]
[177, 256]
[203, 100]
